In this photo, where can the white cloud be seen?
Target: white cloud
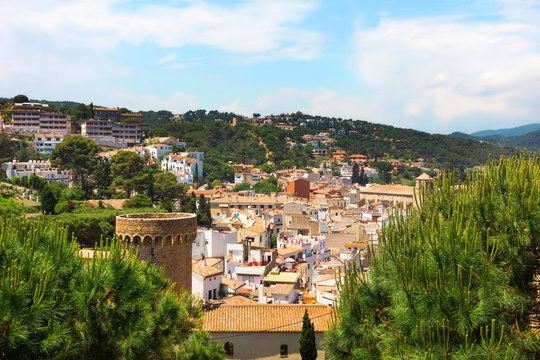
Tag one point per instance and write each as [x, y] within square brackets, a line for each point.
[167, 58]
[58, 49]
[454, 69]
[251, 26]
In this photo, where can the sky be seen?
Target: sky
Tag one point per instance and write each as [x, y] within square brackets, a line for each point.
[438, 66]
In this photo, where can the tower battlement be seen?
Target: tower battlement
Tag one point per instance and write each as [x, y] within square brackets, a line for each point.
[165, 238]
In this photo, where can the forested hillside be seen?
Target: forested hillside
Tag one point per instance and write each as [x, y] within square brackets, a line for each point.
[200, 130]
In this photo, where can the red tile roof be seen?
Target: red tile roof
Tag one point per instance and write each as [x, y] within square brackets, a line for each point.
[266, 318]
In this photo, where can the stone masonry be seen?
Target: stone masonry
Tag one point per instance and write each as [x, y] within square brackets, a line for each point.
[165, 239]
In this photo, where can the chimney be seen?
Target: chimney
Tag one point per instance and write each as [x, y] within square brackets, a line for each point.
[262, 298]
[203, 260]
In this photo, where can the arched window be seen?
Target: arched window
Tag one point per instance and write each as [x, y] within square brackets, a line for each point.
[284, 350]
[229, 348]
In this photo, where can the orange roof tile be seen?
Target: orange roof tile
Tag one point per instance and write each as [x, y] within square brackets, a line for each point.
[266, 318]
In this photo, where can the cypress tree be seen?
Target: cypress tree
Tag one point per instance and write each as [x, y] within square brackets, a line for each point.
[355, 179]
[48, 200]
[455, 279]
[308, 346]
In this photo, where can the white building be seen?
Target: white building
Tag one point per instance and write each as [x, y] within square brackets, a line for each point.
[205, 281]
[157, 151]
[38, 168]
[177, 163]
[212, 243]
[45, 143]
[193, 154]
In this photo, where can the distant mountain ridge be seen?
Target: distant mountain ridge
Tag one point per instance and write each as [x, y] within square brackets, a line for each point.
[515, 131]
[522, 137]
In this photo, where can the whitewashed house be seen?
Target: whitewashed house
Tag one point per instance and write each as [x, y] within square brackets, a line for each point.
[205, 280]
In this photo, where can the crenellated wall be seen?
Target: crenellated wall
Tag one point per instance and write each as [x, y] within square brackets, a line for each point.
[165, 238]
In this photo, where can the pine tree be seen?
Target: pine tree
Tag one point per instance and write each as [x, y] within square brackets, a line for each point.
[308, 346]
[455, 279]
[56, 304]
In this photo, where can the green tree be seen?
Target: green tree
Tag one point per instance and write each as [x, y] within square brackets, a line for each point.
[241, 187]
[189, 203]
[454, 279]
[355, 179]
[20, 98]
[9, 207]
[55, 304]
[48, 200]
[126, 166]
[103, 177]
[82, 112]
[363, 177]
[204, 218]
[308, 346]
[78, 154]
[138, 201]
[7, 149]
[167, 190]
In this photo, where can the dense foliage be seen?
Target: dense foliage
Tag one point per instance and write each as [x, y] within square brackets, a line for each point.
[88, 224]
[56, 305]
[244, 143]
[453, 280]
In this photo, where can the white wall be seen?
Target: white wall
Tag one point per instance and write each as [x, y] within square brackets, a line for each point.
[200, 286]
[211, 243]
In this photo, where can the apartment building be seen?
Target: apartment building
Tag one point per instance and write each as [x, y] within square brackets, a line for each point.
[36, 118]
[128, 134]
[45, 143]
[51, 122]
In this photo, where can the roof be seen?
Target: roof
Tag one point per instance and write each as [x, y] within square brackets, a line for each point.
[238, 300]
[289, 250]
[266, 318]
[279, 289]
[205, 270]
[389, 190]
[232, 283]
[423, 176]
[282, 277]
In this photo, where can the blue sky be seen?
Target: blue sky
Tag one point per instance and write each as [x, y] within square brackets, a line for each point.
[438, 66]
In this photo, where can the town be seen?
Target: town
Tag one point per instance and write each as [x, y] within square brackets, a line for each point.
[287, 244]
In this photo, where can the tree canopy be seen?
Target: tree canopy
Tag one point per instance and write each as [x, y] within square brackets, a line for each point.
[57, 305]
[78, 154]
[453, 280]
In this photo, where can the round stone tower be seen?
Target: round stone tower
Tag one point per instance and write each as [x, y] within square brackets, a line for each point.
[165, 238]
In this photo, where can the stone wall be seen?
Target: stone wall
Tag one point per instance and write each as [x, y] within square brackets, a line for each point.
[164, 238]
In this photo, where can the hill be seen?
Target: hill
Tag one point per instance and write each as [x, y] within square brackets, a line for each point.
[211, 132]
[529, 141]
[516, 131]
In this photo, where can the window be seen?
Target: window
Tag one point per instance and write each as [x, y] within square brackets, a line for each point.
[214, 294]
[229, 348]
[209, 294]
[284, 350]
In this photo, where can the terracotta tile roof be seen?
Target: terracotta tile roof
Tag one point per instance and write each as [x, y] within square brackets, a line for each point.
[232, 283]
[389, 190]
[239, 300]
[205, 270]
[279, 289]
[289, 250]
[266, 318]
